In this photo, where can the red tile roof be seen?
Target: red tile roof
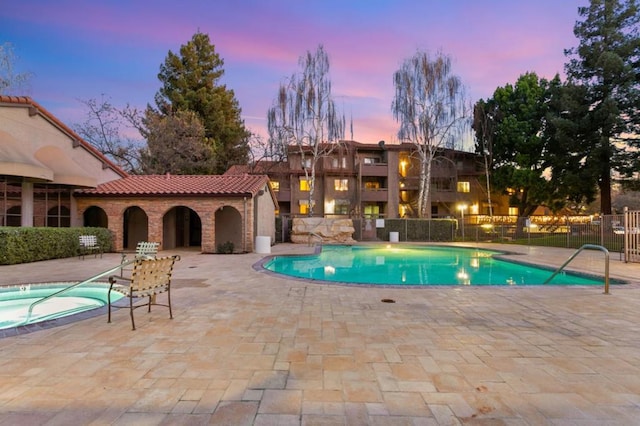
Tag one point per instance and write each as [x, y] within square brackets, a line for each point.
[181, 185]
[36, 108]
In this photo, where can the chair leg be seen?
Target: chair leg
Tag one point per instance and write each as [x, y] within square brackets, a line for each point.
[169, 303]
[133, 323]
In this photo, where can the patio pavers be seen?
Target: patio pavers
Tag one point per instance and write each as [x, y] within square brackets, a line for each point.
[248, 347]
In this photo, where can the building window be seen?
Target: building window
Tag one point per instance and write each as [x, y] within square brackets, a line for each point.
[372, 211]
[370, 160]
[303, 206]
[305, 185]
[342, 209]
[372, 185]
[464, 186]
[306, 163]
[275, 185]
[513, 211]
[341, 184]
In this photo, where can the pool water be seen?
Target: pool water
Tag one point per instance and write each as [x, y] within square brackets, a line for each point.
[15, 302]
[417, 266]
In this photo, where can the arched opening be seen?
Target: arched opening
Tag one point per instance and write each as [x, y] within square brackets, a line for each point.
[14, 216]
[181, 227]
[95, 217]
[59, 217]
[228, 229]
[135, 227]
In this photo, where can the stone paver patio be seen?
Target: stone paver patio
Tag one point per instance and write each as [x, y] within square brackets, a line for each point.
[248, 347]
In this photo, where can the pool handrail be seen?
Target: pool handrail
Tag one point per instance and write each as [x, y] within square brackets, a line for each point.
[573, 256]
[88, 280]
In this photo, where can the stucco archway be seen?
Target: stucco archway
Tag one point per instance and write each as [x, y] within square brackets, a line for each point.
[228, 221]
[181, 227]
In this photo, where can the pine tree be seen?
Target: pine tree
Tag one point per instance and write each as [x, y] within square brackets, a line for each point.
[191, 82]
[606, 64]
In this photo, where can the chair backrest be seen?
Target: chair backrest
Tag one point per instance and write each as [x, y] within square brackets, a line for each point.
[147, 248]
[151, 274]
[88, 240]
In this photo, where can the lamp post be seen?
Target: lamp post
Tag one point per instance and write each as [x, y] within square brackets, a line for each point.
[462, 207]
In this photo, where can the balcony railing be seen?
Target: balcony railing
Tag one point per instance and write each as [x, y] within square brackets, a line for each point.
[377, 169]
[375, 195]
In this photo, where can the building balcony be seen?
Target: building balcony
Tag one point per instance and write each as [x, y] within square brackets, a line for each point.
[374, 195]
[283, 195]
[378, 169]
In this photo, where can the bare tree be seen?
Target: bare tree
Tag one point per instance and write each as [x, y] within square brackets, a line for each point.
[104, 128]
[11, 83]
[304, 115]
[431, 108]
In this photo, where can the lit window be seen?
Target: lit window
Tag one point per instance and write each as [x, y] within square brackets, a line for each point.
[513, 211]
[341, 184]
[372, 210]
[343, 162]
[305, 185]
[372, 185]
[275, 185]
[303, 206]
[464, 186]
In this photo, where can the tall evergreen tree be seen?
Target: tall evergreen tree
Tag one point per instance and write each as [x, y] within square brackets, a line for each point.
[606, 64]
[191, 81]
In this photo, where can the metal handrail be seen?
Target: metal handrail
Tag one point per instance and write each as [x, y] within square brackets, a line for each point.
[313, 234]
[64, 290]
[590, 247]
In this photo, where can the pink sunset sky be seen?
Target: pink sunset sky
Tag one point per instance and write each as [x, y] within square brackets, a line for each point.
[79, 50]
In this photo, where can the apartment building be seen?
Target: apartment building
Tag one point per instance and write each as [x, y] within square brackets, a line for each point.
[375, 180]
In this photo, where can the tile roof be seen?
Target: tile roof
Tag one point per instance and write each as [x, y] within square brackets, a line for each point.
[35, 108]
[163, 185]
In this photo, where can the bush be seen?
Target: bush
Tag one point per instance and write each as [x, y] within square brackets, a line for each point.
[23, 245]
[225, 248]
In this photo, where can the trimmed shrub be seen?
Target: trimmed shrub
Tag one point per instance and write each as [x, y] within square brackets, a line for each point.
[23, 245]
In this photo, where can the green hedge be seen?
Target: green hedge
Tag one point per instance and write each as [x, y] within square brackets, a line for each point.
[419, 229]
[23, 245]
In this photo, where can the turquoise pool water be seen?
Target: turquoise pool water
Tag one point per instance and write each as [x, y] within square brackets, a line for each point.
[15, 302]
[416, 266]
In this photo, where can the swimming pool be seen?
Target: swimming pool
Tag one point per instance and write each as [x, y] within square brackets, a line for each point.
[417, 266]
[16, 300]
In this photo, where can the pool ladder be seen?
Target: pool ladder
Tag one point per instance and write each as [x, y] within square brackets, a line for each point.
[573, 256]
[313, 234]
[72, 286]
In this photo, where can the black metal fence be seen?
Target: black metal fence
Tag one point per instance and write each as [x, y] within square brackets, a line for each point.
[555, 231]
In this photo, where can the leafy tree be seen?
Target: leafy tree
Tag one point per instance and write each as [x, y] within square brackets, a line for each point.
[304, 115]
[191, 81]
[105, 128]
[11, 83]
[606, 64]
[516, 128]
[174, 145]
[430, 106]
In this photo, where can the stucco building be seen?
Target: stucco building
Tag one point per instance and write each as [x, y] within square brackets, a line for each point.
[50, 177]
